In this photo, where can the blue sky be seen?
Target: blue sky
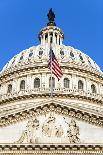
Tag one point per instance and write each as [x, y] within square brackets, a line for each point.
[81, 21]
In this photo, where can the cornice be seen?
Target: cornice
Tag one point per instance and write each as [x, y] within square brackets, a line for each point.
[69, 111]
[46, 93]
[51, 149]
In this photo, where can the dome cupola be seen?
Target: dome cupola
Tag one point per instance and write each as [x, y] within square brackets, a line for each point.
[51, 34]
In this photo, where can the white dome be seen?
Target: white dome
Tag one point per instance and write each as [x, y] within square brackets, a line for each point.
[40, 54]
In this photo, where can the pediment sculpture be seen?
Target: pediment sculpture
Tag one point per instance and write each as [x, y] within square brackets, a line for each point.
[50, 130]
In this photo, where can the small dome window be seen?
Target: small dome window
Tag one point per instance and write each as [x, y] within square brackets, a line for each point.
[62, 52]
[30, 54]
[93, 88]
[40, 53]
[22, 85]
[66, 83]
[81, 58]
[13, 61]
[89, 61]
[80, 85]
[37, 83]
[71, 54]
[21, 57]
[9, 88]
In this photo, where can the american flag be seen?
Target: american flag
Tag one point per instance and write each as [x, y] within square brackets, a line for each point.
[54, 65]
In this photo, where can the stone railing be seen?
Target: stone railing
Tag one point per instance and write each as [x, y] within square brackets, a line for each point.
[47, 91]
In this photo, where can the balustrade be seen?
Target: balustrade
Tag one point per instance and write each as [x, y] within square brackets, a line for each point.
[62, 91]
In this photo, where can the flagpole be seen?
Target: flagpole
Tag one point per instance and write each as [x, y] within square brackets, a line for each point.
[51, 73]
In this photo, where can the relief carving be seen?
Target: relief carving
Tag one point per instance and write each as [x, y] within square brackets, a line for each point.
[30, 131]
[48, 129]
[73, 132]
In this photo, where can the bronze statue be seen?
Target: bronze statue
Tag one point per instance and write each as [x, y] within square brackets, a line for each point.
[51, 17]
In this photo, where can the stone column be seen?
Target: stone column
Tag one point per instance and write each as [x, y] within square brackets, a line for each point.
[74, 82]
[29, 82]
[54, 39]
[48, 38]
[58, 39]
[43, 80]
[43, 39]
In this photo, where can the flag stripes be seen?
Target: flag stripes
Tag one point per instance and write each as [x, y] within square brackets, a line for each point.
[54, 65]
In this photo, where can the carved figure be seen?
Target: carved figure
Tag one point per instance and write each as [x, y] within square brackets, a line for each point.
[29, 133]
[73, 132]
[50, 129]
[59, 131]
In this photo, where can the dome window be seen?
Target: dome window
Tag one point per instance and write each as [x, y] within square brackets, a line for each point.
[9, 88]
[52, 82]
[21, 57]
[93, 88]
[81, 58]
[30, 54]
[62, 52]
[13, 61]
[37, 83]
[22, 85]
[40, 53]
[71, 54]
[89, 61]
[80, 85]
[66, 83]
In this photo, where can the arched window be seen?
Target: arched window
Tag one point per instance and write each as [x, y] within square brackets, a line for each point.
[52, 82]
[93, 88]
[36, 83]
[22, 85]
[80, 85]
[66, 82]
[71, 54]
[9, 88]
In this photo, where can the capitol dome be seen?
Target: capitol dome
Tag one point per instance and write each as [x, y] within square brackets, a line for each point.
[28, 112]
[64, 54]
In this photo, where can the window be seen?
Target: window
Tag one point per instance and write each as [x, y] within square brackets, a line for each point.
[36, 83]
[22, 85]
[66, 82]
[30, 54]
[21, 57]
[40, 53]
[71, 54]
[80, 85]
[81, 58]
[61, 52]
[9, 88]
[93, 88]
[52, 82]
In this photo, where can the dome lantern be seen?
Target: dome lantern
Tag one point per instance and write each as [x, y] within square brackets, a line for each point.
[51, 34]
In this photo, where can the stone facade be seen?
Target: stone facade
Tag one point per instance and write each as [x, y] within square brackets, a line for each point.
[33, 122]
